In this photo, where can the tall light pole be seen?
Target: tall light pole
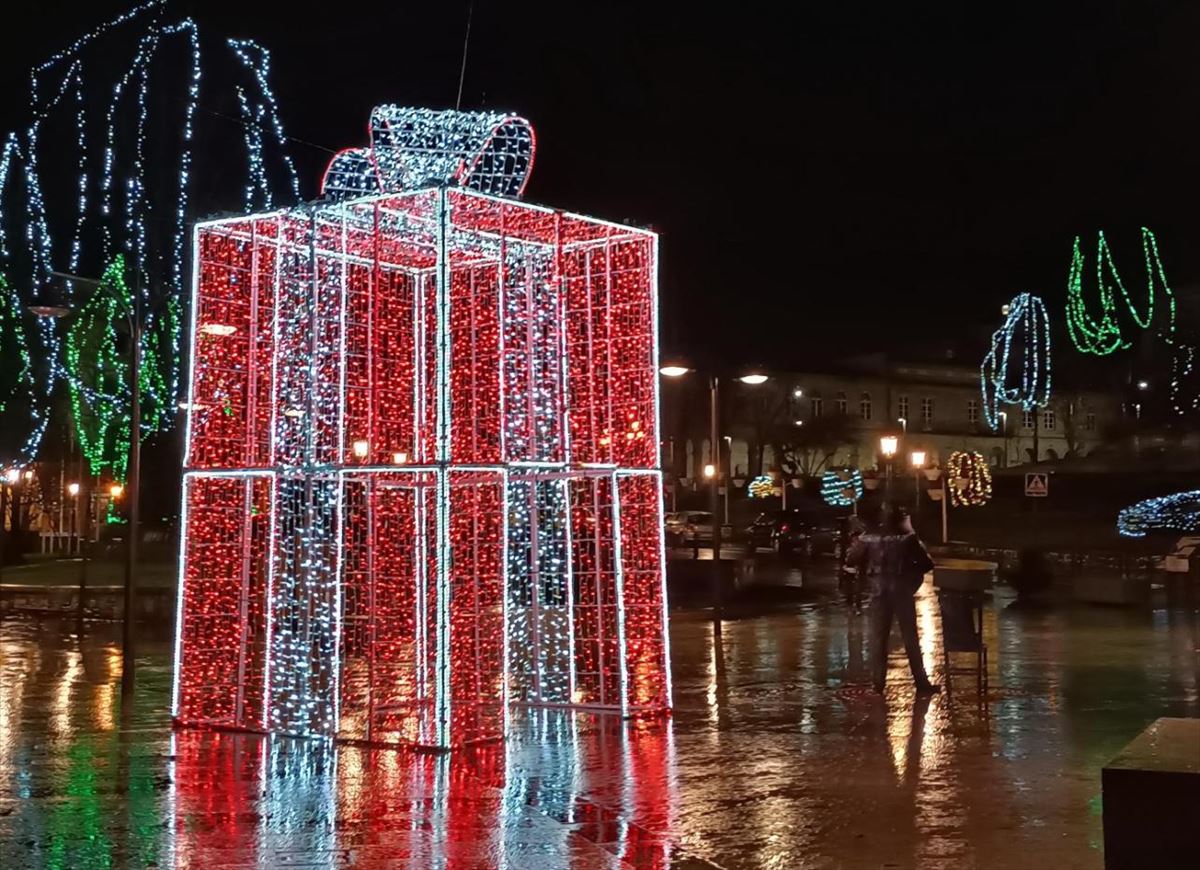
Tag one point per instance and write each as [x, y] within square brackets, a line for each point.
[888, 445]
[133, 317]
[917, 460]
[714, 452]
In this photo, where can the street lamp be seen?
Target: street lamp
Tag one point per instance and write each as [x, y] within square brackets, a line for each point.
[47, 307]
[712, 470]
[13, 476]
[888, 445]
[72, 489]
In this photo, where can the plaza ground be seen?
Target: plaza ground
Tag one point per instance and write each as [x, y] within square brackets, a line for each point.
[776, 756]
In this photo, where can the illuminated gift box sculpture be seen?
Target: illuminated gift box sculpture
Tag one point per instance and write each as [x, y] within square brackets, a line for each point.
[422, 453]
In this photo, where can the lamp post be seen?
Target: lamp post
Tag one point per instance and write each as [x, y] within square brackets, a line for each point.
[916, 459]
[133, 317]
[1004, 434]
[888, 445]
[712, 470]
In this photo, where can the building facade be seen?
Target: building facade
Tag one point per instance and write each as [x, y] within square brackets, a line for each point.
[931, 407]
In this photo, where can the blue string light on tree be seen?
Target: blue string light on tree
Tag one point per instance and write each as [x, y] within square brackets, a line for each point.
[1016, 370]
[842, 487]
[1179, 512]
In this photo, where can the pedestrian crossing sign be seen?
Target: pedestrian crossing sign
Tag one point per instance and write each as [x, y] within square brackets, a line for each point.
[1037, 484]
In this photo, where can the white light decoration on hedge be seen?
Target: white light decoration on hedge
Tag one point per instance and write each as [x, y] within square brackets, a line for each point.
[1179, 512]
[1023, 341]
[842, 487]
[969, 479]
[138, 83]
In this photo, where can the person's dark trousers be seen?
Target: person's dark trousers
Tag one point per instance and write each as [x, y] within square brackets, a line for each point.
[892, 602]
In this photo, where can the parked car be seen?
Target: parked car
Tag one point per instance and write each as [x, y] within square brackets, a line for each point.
[688, 527]
[803, 530]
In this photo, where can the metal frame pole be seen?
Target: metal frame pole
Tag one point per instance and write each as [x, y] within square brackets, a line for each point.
[714, 450]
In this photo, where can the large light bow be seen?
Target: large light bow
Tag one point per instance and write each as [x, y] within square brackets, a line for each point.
[491, 152]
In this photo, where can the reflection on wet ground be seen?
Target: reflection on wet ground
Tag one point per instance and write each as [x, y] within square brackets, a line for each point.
[777, 756]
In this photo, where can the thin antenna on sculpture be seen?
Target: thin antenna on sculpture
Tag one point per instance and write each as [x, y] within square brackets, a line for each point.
[462, 73]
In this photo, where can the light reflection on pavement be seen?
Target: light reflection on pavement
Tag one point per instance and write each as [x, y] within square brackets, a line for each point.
[777, 756]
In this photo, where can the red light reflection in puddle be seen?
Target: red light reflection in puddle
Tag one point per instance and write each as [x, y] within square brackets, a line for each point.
[565, 791]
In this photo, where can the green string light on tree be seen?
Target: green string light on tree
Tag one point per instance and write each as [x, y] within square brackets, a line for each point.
[1104, 336]
[98, 375]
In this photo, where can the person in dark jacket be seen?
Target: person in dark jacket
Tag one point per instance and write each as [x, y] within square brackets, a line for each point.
[891, 555]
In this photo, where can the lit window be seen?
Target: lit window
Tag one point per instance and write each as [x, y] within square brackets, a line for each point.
[841, 404]
[1027, 419]
[972, 411]
[927, 411]
[864, 406]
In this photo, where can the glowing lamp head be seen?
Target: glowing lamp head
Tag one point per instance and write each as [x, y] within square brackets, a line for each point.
[753, 379]
[674, 371]
[72, 489]
[361, 448]
[710, 470]
[12, 475]
[1143, 385]
[917, 457]
[116, 490]
[798, 393]
[29, 474]
[218, 329]
[399, 458]
[888, 445]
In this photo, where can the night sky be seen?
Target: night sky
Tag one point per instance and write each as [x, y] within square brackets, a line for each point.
[837, 177]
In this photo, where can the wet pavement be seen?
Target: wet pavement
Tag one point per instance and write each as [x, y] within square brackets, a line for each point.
[777, 756]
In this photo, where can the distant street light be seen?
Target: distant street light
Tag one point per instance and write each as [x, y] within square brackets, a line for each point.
[1143, 385]
[361, 448]
[72, 489]
[13, 475]
[712, 469]
[116, 490]
[917, 458]
[888, 445]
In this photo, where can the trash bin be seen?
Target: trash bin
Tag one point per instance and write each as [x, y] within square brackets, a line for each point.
[962, 632]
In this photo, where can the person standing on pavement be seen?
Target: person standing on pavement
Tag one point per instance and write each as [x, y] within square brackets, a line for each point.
[894, 560]
[850, 579]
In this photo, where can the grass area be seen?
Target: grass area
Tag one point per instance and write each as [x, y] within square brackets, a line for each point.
[58, 571]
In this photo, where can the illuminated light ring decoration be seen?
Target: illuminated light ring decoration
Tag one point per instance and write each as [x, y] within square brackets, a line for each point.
[836, 483]
[111, 210]
[969, 479]
[509, 354]
[1023, 340]
[491, 152]
[1179, 512]
[761, 487]
[1104, 336]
